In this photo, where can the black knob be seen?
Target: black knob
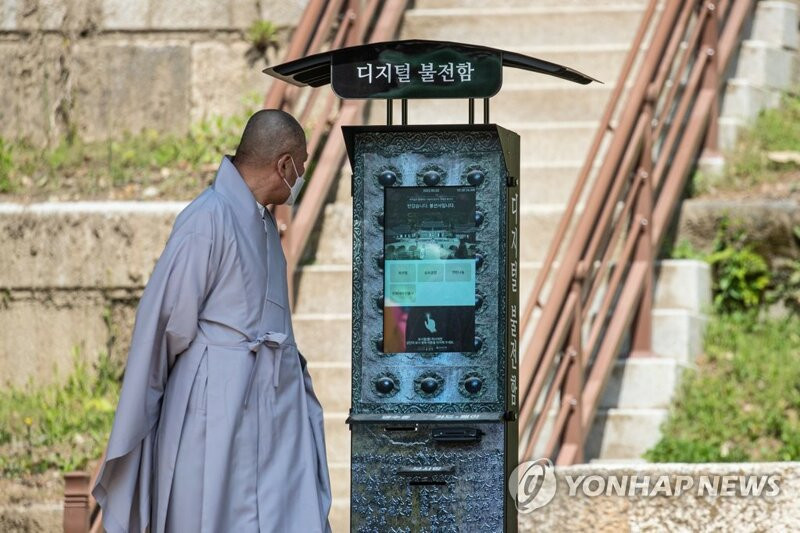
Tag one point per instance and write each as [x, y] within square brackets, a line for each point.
[431, 177]
[478, 218]
[429, 385]
[379, 302]
[387, 178]
[385, 385]
[473, 385]
[475, 177]
[478, 343]
[379, 261]
[478, 301]
[379, 345]
[478, 261]
[380, 219]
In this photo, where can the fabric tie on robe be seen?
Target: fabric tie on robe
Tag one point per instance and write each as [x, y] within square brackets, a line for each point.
[270, 340]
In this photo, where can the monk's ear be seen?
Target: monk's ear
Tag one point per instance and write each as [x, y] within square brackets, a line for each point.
[281, 163]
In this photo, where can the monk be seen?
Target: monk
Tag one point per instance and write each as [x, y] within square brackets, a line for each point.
[218, 428]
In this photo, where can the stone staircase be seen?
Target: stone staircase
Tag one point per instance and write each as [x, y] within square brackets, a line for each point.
[640, 390]
[556, 121]
[765, 66]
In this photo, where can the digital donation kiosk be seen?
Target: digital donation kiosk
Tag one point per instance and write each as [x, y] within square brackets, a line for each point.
[436, 249]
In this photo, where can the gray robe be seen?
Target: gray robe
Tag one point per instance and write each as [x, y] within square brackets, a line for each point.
[217, 428]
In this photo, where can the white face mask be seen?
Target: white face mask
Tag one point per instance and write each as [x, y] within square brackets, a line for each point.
[294, 192]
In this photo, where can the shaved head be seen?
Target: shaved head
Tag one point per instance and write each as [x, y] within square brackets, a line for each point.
[268, 134]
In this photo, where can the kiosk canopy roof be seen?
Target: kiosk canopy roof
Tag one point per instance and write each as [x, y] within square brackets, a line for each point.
[415, 69]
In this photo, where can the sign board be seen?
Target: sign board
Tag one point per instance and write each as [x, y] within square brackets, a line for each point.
[417, 70]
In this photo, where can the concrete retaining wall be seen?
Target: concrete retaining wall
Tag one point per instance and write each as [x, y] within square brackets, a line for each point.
[768, 224]
[102, 67]
[70, 278]
[687, 512]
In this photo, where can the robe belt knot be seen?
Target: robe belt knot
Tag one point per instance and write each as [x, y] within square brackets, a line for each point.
[273, 341]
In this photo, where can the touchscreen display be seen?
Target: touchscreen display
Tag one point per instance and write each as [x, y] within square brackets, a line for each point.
[429, 269]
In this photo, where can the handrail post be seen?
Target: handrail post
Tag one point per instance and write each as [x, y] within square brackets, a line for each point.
[76, 502]
[297, 47]
[642, 326]
[711, 76]
[572, 443]
[354, 7]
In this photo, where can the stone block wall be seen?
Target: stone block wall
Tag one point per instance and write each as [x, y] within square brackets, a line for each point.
[103, 67]
[70, 278]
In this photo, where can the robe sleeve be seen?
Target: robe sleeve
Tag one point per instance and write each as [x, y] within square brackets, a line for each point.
[315, 416]
[166, 323]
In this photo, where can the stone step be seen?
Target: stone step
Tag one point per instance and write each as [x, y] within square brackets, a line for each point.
[602, 62]
[549, 183]
[729, 128]
[556, 101]
[340, 479]
[339, 517]
[525, 26]
[331, 384]
[337, 437]
[683, 284]
[325, 338]
[775, 23]
[325, 288]
[678, 334]
[642, 382]
[331, 240]
[83, 244]
[765, 64]
[744, 100]
[552, 142]
[624, 433]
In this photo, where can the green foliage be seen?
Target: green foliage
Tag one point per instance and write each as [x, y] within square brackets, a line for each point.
[748, 165]
[58, 426]
[743, 401]
[262, 34]
[6, 164]
[741, 278]
[684, 250]
[178, 165]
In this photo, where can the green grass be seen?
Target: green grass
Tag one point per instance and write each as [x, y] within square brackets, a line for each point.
[742, 403]
[59, 427]
[178, 166]
[748, 165]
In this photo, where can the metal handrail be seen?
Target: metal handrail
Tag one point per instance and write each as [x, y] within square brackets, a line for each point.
[600, 279]
[324, 24]
[358, 23]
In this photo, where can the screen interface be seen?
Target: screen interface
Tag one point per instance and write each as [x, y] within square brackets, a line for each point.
[429, 269]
